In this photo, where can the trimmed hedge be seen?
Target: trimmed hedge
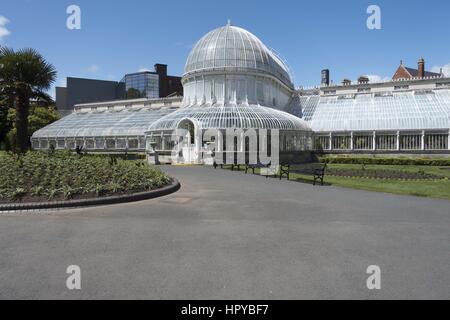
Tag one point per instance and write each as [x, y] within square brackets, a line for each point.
[386, 161]
[383, 174]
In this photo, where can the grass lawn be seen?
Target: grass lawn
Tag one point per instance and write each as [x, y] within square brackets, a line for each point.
[423, 188]
[44, 176]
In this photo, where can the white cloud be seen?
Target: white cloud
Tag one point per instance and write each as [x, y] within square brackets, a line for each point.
[94, 68]
[445, 69]
[3, 31]
[377, 78]
[143, 69]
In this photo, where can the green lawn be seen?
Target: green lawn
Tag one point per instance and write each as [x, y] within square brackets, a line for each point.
[424, 188]
[434, 189]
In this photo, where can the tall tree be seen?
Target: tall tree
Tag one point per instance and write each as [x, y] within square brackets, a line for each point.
[24, 77]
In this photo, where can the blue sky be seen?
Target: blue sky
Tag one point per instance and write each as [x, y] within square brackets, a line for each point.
[119, 37]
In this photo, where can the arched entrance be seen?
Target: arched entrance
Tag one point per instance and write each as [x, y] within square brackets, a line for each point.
[189, 141]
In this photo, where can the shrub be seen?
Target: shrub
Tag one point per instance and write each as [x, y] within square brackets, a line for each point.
[63, 174]
[383, 174]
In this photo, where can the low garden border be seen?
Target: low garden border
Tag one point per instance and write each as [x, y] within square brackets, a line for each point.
[166, 190]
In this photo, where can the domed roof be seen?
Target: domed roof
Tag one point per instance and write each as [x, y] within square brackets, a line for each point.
[232, 115]
[237, 49]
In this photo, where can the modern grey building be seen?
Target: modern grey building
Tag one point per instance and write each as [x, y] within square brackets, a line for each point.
[146, 84]
[79, 90]
[152, 84]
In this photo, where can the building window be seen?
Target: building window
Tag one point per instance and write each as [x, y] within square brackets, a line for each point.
[52, 143]
[44, 144]
[322, 143]
[121, 143]
[404, 87]
[60, 144]
[110, 144]
[386, 142]
[99, 143]
[70, 144]
[89, 144]
[361, 142]
[133, 143]
[411, 142]
[156, 142]
[35, 144]
[341, 142]
[80, 143]
[436, 142]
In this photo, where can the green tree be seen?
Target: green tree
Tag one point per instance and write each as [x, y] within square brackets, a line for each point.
[133, 93]
[24, 77]
[4, 125]
[39, 117]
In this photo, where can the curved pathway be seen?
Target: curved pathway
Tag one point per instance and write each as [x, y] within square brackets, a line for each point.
[227, 235]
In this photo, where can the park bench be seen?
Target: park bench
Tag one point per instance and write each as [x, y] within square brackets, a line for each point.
[265, 169]
[314, 169]
[255, 166]
[233, 166]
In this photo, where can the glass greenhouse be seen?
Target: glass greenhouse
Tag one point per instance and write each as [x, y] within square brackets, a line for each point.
[107, 130]
[234, 81]
[390, 121]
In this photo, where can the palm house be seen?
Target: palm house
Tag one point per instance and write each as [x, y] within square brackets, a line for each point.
[238, 90]
[232, 81]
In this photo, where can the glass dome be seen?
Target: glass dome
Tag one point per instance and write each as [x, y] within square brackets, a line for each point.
[233, 48]
[231, 116]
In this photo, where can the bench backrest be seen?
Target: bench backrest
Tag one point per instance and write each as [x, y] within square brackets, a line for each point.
[308, 166]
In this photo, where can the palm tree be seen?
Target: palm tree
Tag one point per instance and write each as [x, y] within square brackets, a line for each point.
[24, 77]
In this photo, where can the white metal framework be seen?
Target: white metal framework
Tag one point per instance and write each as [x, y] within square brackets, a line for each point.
[231, 116]
[99, 130]
[234, 48]
[409, 120]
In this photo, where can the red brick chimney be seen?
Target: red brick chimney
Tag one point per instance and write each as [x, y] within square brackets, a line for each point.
[421, 68]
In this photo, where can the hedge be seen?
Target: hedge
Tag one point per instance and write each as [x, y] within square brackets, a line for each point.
[386, 161]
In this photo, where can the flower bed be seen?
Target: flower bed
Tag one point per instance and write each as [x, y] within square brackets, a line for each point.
[56, 176]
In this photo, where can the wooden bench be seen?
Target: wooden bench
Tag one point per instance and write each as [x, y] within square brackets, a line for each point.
[233, 165]
[260, 166]
[314, 169]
